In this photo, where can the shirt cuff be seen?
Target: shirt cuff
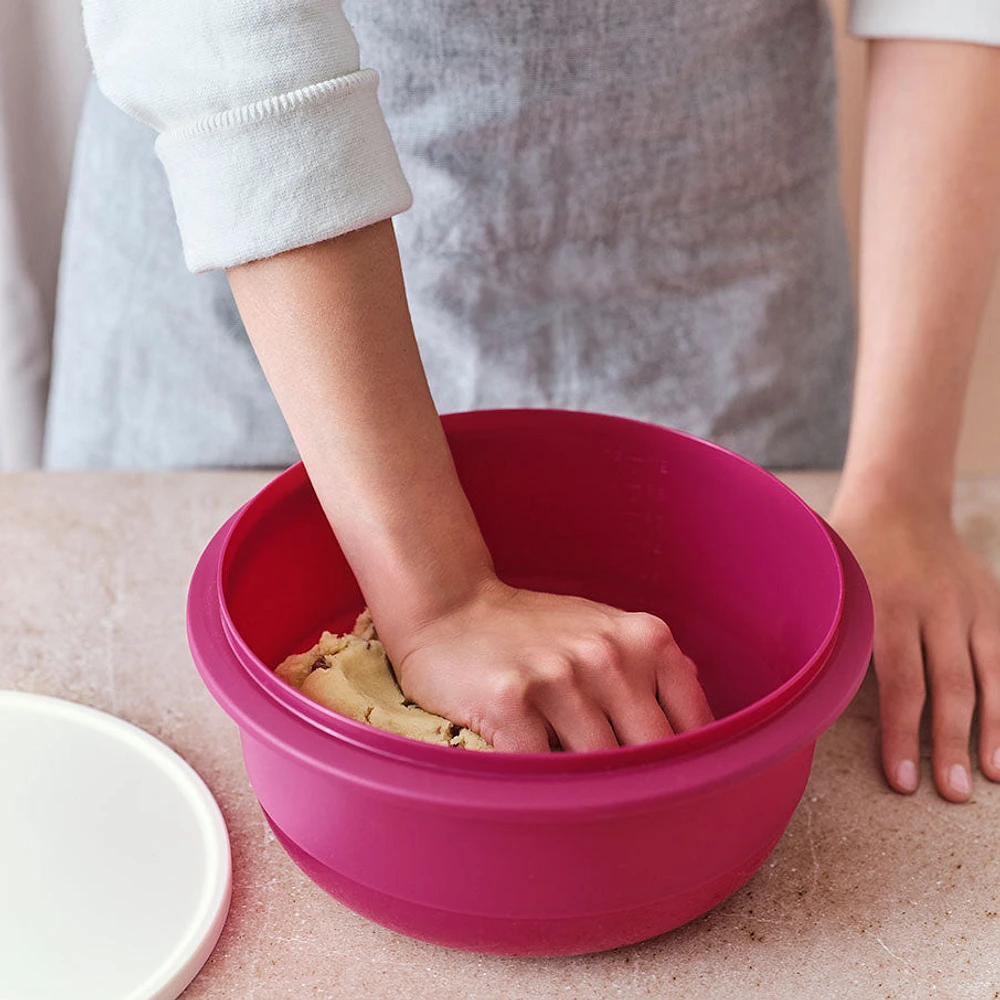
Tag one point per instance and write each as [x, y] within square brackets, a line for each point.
[940, 20]
[282, 173]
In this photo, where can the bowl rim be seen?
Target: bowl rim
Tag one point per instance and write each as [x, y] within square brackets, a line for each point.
[522, 792]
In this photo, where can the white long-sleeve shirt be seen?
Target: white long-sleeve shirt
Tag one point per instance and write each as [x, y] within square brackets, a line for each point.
[269, 127]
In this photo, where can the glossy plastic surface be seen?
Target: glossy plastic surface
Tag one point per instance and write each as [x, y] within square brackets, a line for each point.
[558, 853]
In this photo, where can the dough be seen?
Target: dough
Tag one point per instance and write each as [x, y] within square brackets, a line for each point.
[351, 674]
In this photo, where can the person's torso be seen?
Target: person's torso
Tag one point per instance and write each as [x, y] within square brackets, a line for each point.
[627, 206]
[526, 123]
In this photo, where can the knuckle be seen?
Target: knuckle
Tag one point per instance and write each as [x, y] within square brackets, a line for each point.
[986, 646]
[554, 670]
[903, 739]
[952, 729]
[651, 630]
[511, 694]
[897, 649]
[898, 662]
[986, 638]
[599, 650]
[942, 588]
[485, 726]
[902, 713]
[951, 746]
[948, 604]
[909, 688]
[898, 611]
[895, 613]
[954, 685]
[989, 685]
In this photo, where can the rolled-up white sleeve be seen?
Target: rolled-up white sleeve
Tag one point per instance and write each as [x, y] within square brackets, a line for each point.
[269, 129]
[944, 20]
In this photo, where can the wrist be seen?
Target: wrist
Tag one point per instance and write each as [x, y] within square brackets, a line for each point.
[415, 563]
[402, 611]
[889, 489]
[411, 591]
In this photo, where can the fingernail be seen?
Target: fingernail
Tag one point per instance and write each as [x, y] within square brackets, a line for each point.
[996, 758]
[958, 778]
[906, 775]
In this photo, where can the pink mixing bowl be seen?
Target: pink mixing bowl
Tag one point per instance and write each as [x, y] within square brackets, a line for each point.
[550, 854]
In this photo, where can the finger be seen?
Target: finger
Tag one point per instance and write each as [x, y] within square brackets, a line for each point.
[677, 688]
[953, 700]
[902, 692]
[615, 681]
[985, 643]
[526, 733]
[640, 720]
[579, 722]
[680, 694]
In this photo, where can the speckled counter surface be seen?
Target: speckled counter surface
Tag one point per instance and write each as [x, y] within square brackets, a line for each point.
[868, 894]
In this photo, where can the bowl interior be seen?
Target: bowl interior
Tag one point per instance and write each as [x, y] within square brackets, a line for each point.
[627, 513]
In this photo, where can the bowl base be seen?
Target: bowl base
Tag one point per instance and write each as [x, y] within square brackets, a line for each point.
[524, 937]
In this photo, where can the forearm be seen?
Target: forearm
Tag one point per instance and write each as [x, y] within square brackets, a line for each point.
[929, 241]
[331, 327]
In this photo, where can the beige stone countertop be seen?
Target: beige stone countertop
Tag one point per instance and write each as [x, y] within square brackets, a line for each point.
[868, 895]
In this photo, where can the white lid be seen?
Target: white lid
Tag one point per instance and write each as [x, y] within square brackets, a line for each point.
[115, 871]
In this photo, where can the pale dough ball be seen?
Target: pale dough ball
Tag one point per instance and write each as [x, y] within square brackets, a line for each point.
[352, 675]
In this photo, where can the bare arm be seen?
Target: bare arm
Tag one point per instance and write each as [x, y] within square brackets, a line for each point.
[331, 326]
[332, 329]
[929, 243]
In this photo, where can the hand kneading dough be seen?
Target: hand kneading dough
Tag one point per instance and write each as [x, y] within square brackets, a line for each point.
[352, 675]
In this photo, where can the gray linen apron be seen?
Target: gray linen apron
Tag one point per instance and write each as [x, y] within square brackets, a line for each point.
[627, 206]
